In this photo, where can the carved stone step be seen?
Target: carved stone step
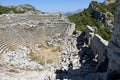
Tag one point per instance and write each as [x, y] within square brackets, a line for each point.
[3, 48]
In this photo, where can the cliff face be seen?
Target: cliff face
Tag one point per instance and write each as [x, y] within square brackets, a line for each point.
[106, 53]
[104, 12]
[114, 48]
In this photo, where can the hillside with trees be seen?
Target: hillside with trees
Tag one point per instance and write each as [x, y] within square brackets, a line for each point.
[90, 16]
[17, 9]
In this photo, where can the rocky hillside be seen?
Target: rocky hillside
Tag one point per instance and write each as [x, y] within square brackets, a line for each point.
[96, 15]
[107, 2]
[26, 8]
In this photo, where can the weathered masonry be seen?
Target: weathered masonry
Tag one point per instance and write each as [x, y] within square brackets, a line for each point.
[108, 53]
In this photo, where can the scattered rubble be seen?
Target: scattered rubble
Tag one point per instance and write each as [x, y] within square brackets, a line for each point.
[83, 55]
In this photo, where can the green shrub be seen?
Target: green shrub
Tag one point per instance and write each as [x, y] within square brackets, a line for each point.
[6, 10]
[85, 18]
[104, 32]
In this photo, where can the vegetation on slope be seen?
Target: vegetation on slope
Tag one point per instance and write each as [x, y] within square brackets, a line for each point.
[86, 18]
[6, 10]
[105, 8]
[16, 9]
[104, 32]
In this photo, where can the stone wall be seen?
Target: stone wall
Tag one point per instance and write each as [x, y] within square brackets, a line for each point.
[99, 46]
[97, 43]
[89, 34]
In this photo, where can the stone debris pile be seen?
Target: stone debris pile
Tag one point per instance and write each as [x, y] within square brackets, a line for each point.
[76, 59]
[20, 59]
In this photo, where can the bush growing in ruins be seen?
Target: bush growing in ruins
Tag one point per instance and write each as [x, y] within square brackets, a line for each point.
[46, 55]
[36, 58]
[104, 32]
[13, 70]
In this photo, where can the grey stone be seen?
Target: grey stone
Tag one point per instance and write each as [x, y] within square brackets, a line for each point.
[107, 2]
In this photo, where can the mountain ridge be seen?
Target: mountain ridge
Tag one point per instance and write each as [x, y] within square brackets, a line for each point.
[71, 13]
[24, 8]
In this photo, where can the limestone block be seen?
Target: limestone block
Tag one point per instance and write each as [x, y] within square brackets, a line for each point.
[70, 29]
[98, 46]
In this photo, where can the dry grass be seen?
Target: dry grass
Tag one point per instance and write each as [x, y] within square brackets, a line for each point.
[37, 58]
[13, 71]
[46, 55]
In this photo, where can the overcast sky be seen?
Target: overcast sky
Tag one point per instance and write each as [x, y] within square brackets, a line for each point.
[52, 5]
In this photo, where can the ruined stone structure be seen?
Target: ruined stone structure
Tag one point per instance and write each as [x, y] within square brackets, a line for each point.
[108, 54]
[30, 29]
[83, 56]
[97, 43]
[98, 46]
[32, 42]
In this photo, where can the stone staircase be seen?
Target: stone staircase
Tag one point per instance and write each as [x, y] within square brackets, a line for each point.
[3, 46]
[31, 28]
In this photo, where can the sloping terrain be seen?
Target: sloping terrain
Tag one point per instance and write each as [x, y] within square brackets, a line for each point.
[25, 8]
[27, 40]
[97, 15]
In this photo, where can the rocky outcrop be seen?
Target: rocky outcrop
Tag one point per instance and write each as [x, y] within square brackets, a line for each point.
[107, 2]
[114, 48]
[108, 54]
[104, 15]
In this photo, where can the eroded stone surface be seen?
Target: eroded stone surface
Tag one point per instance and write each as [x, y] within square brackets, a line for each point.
[114, 46]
